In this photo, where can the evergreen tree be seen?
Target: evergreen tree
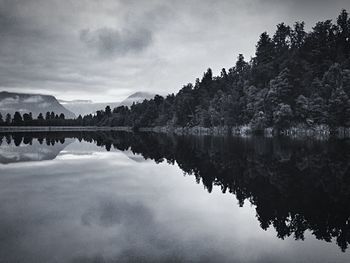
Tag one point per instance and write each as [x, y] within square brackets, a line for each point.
[302, 108]
[318, 109]
[263, 61]
[259, 122]
[108, 111]
[281, 39]
[27, 117]
[282, 117]
[8, 119]
[48, 116]
[339, 108]
[298, 35]
[343, 23]
[17, 118]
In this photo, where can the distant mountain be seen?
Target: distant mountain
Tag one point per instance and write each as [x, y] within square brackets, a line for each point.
[84, 107]
[137, 97]
[35, 103]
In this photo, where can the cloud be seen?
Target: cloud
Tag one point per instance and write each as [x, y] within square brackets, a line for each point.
[112, 42]
[9, 101]
[44, 105]
[108, 49]
[33, 99]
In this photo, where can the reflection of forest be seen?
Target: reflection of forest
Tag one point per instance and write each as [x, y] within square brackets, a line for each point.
[295, 185]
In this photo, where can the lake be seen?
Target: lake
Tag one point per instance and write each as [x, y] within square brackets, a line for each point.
[123, 197]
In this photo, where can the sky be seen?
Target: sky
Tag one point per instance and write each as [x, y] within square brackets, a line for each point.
[105, 50]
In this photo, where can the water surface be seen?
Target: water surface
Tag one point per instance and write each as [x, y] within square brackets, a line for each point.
[121, 197]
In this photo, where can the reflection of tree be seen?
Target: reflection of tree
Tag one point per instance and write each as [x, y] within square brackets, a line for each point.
[294, 185]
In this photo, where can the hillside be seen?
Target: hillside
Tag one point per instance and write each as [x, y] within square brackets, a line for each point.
[296, 79]
[11, 102]
[85, 107]
[137, 97]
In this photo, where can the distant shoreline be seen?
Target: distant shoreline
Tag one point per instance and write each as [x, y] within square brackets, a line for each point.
[60, 128]
[316, 131]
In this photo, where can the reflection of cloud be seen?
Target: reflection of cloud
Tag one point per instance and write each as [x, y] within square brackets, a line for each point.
[109, 213]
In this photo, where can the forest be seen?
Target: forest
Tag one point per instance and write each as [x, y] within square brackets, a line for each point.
[295, 79]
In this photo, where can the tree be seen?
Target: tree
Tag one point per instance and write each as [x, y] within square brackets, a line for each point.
[40, 117]
[27, 117]
[339, 108]
[263, 61]
[332, 79]
[264, 50]
[17, 118]
[282, 116]
[298, 35]
[184, 105]
[62, 117]
[343, 23]
[281, 39]
[1, 120]
[301, 108]
[283, 87]
[8, 119]
[241, 65]
[108, 111]
[259, 122]
[79, 120]
[48, 116]
[317, 109]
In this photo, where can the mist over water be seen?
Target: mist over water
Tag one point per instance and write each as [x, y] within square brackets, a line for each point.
[122, 197]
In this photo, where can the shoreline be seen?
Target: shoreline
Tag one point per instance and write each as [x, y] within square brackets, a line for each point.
[320, 132]
[4, 129]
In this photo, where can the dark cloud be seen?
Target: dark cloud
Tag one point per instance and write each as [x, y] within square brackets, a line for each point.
[110, 42]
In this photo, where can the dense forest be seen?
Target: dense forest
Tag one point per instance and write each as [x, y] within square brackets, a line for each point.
[296, 78]
[296, 187]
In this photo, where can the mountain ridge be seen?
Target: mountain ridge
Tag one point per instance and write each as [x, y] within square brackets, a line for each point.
[10, 102]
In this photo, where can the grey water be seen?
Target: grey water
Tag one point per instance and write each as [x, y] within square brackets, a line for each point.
[124, 197]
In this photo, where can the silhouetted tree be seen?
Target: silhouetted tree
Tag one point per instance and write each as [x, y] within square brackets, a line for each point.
[17, 118]
[8, 119]
[47, 116]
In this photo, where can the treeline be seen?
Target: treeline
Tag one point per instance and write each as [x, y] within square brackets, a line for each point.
[53, 119]
[27, 119]
[296, 77]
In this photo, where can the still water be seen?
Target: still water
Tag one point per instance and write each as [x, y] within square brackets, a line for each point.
[121, 197]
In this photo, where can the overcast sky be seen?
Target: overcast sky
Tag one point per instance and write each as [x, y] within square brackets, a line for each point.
[104, 50]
